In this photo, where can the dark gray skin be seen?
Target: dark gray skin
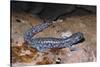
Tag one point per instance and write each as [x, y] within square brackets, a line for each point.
[45, 43]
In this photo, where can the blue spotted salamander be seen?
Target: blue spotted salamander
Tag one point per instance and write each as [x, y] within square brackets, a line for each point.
[45, 43]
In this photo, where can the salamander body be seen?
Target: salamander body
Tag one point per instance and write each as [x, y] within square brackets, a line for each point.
[45, 43]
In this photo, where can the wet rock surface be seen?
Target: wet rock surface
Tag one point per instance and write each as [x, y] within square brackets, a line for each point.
[23, 54]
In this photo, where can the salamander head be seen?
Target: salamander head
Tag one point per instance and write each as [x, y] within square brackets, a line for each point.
[77, 37]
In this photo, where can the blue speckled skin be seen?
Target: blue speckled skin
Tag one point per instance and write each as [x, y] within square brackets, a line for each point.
[44, 43]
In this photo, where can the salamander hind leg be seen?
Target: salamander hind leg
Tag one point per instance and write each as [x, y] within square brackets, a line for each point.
[40, 48]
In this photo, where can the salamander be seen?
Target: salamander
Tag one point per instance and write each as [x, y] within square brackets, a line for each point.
[50, 42]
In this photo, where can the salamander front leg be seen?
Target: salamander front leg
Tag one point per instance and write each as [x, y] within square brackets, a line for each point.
[71, 48]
